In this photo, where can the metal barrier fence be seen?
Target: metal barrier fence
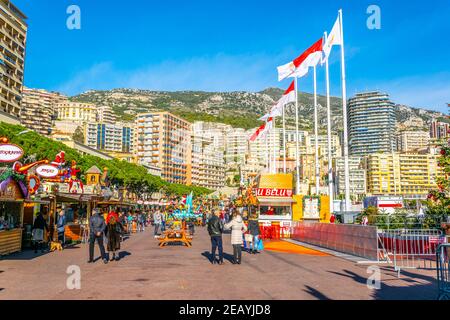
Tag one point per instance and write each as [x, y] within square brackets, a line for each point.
[405, 221]
[410, 248]
[361, 241]
[443, 271]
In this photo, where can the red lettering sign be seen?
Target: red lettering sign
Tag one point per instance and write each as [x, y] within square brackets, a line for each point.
[274, 192]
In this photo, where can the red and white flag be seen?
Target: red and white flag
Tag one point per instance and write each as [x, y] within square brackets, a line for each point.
[334, 38]
[261, 131]
[277, 110]
[299, 67]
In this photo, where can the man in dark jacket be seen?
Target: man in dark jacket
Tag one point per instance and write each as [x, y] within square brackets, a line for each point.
[97, 227]
[215, 230]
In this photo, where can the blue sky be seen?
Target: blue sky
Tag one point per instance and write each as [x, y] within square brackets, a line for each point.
[236, 45]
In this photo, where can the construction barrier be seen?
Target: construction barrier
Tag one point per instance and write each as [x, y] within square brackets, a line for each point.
[410, 248]
[443, 271]
[361, 241]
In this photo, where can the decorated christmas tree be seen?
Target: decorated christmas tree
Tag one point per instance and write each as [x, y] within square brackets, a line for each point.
[439, 199]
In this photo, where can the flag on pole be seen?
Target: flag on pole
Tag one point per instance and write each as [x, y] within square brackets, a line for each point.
[277, 110]
[299, 67]
[334, 38]
[262, 130]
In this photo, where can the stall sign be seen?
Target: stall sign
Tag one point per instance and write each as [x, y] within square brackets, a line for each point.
[311, 208]
[274, 192]
[90, 189]
[63, 188]
[47, 171]
[10, 152]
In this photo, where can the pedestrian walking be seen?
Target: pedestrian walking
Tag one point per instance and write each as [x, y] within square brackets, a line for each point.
[114, 231]
[253, 229]
[97, 228]
[157, 219]
[39, 226]
[61, 226]
[238, 228]
[130, 222]
[215, 230]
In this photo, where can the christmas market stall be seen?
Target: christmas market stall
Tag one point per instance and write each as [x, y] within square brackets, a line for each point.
[71, 195]
[17, 186]
[275, 196]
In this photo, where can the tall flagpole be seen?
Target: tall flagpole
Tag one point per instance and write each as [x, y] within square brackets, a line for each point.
[344, 111]
[274, 147]
[284, 141]
[267, 153]
[330, 158]
[297, 140]
[316, 132]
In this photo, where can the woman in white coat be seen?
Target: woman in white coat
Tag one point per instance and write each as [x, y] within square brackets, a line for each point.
[238, 228]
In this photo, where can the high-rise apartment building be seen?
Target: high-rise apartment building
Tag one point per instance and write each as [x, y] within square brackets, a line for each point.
[371, 124]
[408, 140]
[358, 182]
[237, 145]
[76, 112]
[37, 111]
[207, 163]
[105, 114]
[164, 140]
[13, 37]
[322, 140]
[439, 130]
[109, 137]
[411, 175]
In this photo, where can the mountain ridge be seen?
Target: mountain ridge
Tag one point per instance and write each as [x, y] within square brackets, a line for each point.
[237, 108]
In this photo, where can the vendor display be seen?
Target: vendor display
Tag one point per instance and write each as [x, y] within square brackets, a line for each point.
[275, 197]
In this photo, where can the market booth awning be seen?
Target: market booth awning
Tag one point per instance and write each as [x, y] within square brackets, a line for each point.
[69, 197]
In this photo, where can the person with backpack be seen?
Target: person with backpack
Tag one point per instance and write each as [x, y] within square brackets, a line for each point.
[215, 230]
[238, 228]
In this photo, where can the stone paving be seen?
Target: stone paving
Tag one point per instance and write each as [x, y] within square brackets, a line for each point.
[174, 272]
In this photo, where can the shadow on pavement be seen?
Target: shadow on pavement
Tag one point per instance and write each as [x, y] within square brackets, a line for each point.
[226, 256]
[124, 254]
[316, 293]
[25, 255]
[409, 290]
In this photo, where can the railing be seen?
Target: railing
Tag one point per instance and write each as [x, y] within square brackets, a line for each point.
[405, 221]
[410, 248]
[443, 271]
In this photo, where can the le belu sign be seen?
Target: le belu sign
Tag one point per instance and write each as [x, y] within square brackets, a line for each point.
[274, 192]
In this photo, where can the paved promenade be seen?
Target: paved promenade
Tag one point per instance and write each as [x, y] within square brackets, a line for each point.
[149, 272]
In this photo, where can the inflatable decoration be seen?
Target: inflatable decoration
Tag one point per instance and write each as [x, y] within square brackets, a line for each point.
[19, 173]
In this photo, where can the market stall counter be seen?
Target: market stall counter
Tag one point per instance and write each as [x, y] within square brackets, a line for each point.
[11, 218]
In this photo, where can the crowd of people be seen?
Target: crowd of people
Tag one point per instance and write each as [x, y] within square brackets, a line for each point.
[231, 219]
[114, 225]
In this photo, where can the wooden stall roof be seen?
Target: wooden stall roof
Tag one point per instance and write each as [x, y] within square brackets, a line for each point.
[69, 197]
[116, 202]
